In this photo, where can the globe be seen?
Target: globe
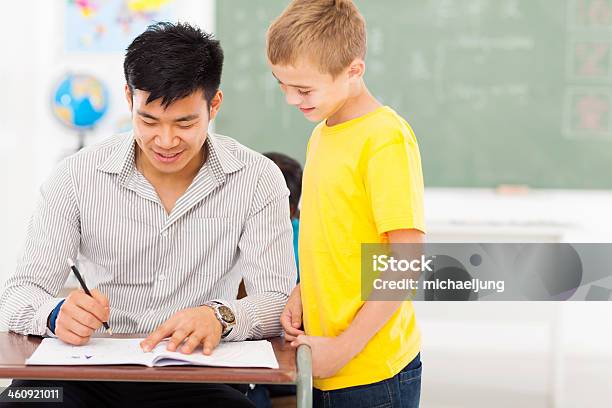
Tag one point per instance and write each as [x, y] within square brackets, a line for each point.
[80, 101]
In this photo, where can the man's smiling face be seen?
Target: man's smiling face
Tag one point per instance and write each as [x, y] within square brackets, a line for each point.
[171, 138]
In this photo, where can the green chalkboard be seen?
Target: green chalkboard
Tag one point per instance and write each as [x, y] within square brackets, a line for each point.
[497, 91]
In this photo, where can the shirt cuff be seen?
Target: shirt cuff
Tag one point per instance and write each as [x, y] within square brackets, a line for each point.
[53, 316]
[400, 223]
[49, 333]
[39, 322]
[241, 329]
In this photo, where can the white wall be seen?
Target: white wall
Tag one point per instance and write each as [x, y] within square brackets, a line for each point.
[32, 141]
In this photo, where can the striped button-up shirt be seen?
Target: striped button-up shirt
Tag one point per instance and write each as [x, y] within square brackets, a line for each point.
[231, 224]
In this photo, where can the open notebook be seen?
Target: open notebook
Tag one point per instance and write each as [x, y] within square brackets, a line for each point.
[101, 351]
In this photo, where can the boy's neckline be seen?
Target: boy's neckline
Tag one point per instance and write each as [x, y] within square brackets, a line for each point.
[343, 125]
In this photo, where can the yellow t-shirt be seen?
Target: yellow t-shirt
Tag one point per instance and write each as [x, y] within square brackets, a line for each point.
[362, 178]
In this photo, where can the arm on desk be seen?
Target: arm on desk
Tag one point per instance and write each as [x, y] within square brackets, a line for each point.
[53, 234]
[266, 261]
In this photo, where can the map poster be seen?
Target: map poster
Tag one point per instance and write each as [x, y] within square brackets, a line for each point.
[108, 26]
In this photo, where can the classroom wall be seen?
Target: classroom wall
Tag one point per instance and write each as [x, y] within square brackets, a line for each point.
[32, 141]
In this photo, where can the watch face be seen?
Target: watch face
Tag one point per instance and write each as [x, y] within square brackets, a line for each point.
[226, 314]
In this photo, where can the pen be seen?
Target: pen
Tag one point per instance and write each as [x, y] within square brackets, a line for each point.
[82, 282]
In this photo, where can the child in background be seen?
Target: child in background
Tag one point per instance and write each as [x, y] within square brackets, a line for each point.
[292, 171]
[362, 184]
[260, 394]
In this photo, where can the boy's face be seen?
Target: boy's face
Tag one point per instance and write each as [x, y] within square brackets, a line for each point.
[316, 94]
[171, 138]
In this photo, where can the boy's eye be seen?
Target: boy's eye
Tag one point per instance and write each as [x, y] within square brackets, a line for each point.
[304, 93]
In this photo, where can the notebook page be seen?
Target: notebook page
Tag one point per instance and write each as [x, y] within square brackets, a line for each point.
[98, 351]
[226, 354]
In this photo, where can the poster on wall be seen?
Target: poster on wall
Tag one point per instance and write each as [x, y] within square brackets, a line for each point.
[108, 26]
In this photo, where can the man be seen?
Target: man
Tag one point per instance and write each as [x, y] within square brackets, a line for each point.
[172, 218]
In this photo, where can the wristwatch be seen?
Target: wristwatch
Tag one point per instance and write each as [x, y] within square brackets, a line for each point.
[225, 316]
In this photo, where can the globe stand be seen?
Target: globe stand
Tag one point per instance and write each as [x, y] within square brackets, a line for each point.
[81, 137]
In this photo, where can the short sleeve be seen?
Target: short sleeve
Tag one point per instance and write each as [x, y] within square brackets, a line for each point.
[394, 182]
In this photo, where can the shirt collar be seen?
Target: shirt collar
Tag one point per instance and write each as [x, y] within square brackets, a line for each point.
[221, 158]
[225, 152]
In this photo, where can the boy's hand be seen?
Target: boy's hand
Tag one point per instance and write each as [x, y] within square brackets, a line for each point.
[329, 354]
[194, 326]
[291, 318]
[81, 315]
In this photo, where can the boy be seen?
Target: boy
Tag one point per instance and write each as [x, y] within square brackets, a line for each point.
[362, 183]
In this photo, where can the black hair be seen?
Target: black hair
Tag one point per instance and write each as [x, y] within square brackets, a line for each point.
[292, 171]
[172, 61]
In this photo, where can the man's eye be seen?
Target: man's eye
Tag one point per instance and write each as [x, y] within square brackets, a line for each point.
[186, 126]
[148, 123]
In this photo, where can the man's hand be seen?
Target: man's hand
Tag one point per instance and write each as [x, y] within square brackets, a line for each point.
[194, 326]
[291, 318]
[81, 315]
[329, 354]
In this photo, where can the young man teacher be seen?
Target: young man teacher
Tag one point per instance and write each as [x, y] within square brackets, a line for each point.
[171, 217]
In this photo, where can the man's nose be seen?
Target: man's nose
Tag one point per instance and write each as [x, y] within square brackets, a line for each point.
[166, 139]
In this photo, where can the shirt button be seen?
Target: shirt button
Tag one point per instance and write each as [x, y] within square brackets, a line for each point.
[164, 233]
[151, 311]
[162, 277]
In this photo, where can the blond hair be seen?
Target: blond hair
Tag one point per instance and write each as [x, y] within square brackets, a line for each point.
[329, 33]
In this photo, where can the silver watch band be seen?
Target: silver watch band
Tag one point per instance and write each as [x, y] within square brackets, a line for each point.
[226, 327]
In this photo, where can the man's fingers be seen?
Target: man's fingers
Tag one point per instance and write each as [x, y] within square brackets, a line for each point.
[86, 302]
[156, 336]
[79, 329]
[177, 338]
[100, 297]
[103, 300]
[80, 315]
[69, 337]
[193, 341]
[210, 342]
[75, 327]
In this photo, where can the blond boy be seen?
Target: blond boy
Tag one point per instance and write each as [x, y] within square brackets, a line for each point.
[362, 183]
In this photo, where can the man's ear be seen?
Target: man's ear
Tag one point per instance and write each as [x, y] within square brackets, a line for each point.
[215, 104]
[129, 97]
[356, 69]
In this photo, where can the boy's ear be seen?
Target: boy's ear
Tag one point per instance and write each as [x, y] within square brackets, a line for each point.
[356, 69]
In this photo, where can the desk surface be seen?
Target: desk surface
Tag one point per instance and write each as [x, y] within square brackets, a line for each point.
[15, 349]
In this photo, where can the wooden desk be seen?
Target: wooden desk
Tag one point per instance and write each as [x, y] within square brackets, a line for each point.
[294, 368]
